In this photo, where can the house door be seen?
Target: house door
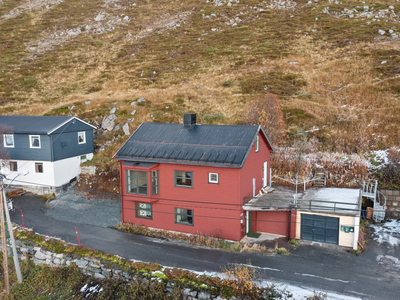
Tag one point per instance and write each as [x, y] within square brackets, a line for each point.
[265, 174]
[319, 229]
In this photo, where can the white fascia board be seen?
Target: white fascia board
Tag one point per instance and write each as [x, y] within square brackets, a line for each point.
[69, 120]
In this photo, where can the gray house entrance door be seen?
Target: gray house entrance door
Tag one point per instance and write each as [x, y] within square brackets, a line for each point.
[320, 229]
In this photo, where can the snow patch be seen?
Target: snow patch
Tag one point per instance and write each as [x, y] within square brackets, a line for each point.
[389, 233]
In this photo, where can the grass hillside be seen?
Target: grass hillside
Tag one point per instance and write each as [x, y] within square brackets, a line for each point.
[334, 65]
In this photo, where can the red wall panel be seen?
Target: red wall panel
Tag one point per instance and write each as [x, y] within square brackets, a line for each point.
[217, 208]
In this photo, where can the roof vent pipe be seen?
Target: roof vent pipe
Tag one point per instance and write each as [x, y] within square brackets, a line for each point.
[189, 120]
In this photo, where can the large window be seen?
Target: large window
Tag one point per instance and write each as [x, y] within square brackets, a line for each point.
[34, 141]
[154, 182]
[81, 137]
[184, 216]
[183, 179]
[13, 166]
[8, 140]
[39, 167]
[136, 182]
[144, 210]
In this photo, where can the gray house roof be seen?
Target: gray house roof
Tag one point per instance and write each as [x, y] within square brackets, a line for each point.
[36, 124]
[211, 145]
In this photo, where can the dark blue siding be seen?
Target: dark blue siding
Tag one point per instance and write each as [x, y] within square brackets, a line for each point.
[66, 144]
[22, 150]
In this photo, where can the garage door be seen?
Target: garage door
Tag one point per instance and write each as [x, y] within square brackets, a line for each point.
[320, 229]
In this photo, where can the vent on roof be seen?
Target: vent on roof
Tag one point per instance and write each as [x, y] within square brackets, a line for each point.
[189, 120]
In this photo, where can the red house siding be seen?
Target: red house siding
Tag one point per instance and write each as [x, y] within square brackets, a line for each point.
[275, 222]
[217, 208]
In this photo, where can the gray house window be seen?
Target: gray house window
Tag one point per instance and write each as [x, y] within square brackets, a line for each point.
[136, 182]
[8, 140]
[34, 141]
[184, 179]
[184, 216]
[81, 137]
[13, 166]
[39, 167]
[144, 210]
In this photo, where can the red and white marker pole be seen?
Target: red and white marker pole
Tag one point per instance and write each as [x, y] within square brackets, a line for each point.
[79, 241]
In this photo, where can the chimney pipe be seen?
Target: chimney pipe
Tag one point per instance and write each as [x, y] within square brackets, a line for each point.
[189, 121]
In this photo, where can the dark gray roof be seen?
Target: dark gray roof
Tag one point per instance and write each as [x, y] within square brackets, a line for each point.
[216, 145]
[35, 124]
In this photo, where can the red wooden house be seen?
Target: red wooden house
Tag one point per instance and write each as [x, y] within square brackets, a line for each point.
[193, 178]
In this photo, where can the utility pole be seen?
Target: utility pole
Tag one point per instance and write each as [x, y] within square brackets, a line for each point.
[12, 240]
[3, 240]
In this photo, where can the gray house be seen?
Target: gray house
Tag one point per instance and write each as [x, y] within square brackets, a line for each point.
[44, 153]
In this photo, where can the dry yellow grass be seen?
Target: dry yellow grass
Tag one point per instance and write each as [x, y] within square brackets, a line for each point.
[333, 79]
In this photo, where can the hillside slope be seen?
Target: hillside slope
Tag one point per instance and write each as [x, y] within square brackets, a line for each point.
[334, 65]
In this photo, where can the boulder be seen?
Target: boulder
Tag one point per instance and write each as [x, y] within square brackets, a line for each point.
[125, 128]
[108, 122]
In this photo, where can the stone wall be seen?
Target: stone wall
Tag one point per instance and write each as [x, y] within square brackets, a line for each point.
[93, 266]
[392, 203]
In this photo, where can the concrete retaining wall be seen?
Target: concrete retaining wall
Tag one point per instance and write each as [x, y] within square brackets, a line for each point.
[93, 266]
[392, 203]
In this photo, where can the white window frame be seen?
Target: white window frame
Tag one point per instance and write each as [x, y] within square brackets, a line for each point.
[4, 140]
[257, 143]
[210, 180]
[30, 141]
[82, 133]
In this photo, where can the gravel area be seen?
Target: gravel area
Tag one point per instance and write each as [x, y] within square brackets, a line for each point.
[77, 207]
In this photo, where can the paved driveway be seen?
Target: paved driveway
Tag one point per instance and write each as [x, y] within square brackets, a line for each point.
[78, 207]
[311, 266]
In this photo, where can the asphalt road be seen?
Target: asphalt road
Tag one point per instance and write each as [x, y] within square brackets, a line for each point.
[311, 266]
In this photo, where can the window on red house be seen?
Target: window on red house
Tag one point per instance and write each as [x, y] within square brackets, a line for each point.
[144, 210]
[184, 216]
[136, 182]
[183, 179]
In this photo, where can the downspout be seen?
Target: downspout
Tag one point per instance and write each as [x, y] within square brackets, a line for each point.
[122, 190]
[290, 221]
[357, 223]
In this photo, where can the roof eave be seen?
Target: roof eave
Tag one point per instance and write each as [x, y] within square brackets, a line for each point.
[178, 162]
[69, 120]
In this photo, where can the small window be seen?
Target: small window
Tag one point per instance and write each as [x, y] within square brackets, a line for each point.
[183, 179]
[8, 140]
[136, 182]
[81, 137]
[13, 166]
[213, 178]
[154, 182]
[34, 141]
[39, 167]
[184, 216]
[257, 143]
[144, 210]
